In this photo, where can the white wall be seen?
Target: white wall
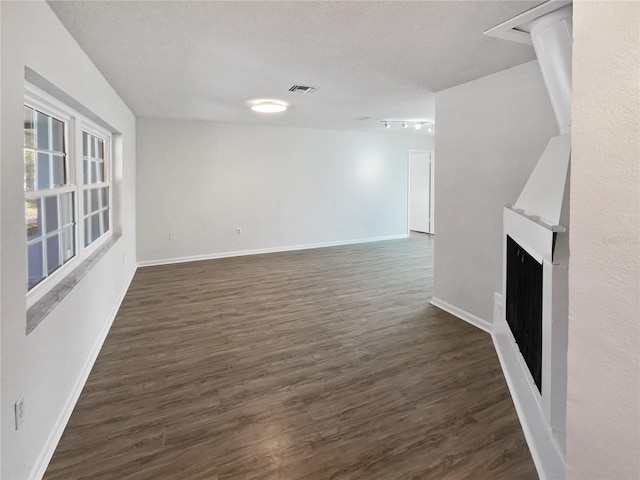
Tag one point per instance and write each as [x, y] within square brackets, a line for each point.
[1, 409]
[285, 187]
[603, 404]
[47, 365]
[491, 132]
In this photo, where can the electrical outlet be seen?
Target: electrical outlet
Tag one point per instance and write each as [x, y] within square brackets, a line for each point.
[19, 411]
[172, 236]
[238, 230]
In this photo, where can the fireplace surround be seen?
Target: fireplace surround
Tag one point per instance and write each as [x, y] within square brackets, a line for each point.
[531, 312]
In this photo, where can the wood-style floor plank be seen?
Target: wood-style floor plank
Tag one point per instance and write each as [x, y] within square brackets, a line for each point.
[317, 364]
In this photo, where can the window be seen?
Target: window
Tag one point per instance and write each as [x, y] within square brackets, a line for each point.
[67, 190]
[96, 192]
[49, 197]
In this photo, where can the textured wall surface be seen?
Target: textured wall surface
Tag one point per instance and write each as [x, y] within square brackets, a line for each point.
[284, 187]
[603, 404]
[47, 366]
[491, 133]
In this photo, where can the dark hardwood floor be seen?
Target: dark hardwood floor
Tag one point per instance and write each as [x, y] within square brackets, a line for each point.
[316, 364]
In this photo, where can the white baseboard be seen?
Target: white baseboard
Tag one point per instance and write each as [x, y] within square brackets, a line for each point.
[42, 462]
[544, 451]
[546, 455]
[259, 251]
[463, 315]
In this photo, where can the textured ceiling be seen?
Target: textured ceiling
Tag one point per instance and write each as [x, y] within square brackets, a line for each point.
[206, 60]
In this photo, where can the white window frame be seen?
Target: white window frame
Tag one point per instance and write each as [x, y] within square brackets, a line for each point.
[92, 129]
[75, 123]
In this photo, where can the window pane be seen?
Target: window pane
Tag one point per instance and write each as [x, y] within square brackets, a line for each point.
[87, 204]
[58, 170]
[57, 135]
[42, 169]
[29, 169]
[51, 213]
[95, 226]
[66, 209]
[104, 192]
[85, 144]
[99, 178]
[95, 200]
[85, 171]
[53, 254]
[88, 238]
[42, 131]
[93, 162]
[68, 246]
[91, 201]
[94, 172]
[34, 219]
[105, 221]
[29, 127]
[34, 264]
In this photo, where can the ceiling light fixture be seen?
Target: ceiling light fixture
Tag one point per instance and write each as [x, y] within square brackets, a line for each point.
[269, 107]
[417, 124]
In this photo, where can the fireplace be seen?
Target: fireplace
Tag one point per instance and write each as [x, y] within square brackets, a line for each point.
[531, 311]
[524, 306]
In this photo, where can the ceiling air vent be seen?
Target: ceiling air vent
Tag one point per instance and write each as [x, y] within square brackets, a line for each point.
[302, 89]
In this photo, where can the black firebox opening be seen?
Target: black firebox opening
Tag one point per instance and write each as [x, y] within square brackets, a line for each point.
[524, 306]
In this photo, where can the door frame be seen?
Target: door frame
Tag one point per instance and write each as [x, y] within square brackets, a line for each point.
[431, 189]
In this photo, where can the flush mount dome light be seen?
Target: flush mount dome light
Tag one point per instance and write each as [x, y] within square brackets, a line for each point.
[269, 107]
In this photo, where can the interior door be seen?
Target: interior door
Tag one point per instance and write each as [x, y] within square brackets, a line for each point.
[420, 191]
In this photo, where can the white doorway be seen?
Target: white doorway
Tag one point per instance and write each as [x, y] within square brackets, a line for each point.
[421, 181]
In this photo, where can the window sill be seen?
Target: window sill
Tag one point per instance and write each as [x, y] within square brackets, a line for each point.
[43, 307]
